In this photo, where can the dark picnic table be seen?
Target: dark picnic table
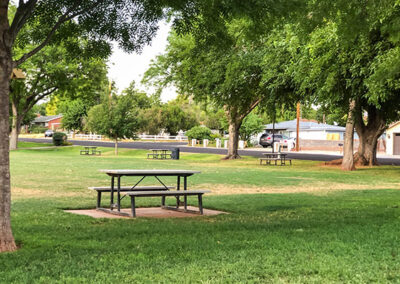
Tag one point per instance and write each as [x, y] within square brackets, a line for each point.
[275, 157]
[90, 150]
[161, 154]
[142, 174]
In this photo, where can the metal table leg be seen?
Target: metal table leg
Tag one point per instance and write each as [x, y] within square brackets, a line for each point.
[119, 193]
[112, 193]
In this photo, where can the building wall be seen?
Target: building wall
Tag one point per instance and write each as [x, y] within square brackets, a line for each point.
[318, 135]
[54, 124]
[323, 145]
[389, 138]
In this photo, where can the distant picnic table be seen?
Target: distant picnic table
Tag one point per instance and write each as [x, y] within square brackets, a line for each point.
[90, 150]
[275, 158]
[136, 190]
[160, 154]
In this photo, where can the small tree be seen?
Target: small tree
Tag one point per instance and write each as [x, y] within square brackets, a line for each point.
[176, 119]
[116, 118]
[199, 133]
[74, 116]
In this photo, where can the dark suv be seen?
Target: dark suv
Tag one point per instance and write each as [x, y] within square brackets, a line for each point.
[266, 140]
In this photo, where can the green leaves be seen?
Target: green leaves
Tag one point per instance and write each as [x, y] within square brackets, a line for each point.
[116, 117]
[73, 117]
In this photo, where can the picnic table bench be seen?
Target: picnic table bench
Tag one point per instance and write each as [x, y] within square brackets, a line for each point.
[175, 193]
[101, 189]
[141, 191]
[90, 150]
[160, 154]
[275, 157]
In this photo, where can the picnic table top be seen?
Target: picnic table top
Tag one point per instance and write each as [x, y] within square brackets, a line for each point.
[150, 172]
[93, 147]
[274, 154]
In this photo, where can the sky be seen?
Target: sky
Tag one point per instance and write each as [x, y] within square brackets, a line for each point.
[124, 67]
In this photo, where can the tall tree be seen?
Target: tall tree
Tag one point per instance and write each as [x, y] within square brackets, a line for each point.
[350, 77]
[229, 76]
[366, 32]
[130, 23]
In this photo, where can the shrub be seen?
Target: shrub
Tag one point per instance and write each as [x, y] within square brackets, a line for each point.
[59, 139]
[38, 129]
[199, 133]
[215, 136]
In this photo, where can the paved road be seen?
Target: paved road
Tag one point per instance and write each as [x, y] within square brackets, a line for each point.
[183, 148]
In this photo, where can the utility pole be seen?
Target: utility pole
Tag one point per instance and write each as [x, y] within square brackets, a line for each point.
[273, 129]
[298, 128]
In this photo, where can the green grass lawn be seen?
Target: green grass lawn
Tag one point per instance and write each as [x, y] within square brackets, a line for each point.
[22, 144]
[320, 231]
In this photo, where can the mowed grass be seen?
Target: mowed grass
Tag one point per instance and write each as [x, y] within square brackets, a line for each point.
[22, 144]
[326, 235]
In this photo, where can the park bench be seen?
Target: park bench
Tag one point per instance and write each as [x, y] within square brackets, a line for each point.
[163, 194]
[89, 150]
[102, 189]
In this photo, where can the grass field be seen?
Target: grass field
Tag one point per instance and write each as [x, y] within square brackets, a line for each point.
[304, 223]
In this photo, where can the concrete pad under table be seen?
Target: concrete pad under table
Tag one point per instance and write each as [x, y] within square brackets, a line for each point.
[150, 212]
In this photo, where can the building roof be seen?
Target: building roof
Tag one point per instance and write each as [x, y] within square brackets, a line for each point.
[46, 118]
[307, 125]
[393, 125]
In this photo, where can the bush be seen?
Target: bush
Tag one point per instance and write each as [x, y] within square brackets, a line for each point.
[199, 133]
[38, 129]
[215, 136]
[59, 139]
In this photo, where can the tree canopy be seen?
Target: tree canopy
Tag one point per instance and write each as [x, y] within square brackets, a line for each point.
[116, 118]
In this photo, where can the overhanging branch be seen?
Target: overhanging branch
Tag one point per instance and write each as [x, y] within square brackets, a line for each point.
[61, 20]
[24, 11]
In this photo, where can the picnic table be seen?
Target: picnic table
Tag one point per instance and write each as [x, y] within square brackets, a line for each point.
[161, 190]
[161, 154]
[90, 150]
[275, 157]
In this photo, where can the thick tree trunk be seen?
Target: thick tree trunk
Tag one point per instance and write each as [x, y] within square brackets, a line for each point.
[366, 153]
[368, 137]
[348, 159]
[116, 147]
[233, 145]
[7, 242]
[15, 127]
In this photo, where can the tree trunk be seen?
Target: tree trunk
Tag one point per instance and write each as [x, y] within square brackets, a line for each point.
[116, 147]
[366, 153]
[348, 159]
[233, 145]
[368, 137]
[15, 127]
[7, 242]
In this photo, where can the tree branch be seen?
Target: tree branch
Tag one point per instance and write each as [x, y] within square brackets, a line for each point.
[61, 20]
[24, 11]
[252, 106]
[34, 100]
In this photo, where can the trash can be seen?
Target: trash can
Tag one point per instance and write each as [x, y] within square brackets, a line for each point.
[175, 153]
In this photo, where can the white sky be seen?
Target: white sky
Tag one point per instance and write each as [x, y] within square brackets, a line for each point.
[124, 67]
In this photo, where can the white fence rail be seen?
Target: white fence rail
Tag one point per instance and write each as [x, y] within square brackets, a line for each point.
[142, 137]
[85, 136]
[163, 137]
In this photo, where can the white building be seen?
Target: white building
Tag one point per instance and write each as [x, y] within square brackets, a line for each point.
[310, 130]
[393, 139]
